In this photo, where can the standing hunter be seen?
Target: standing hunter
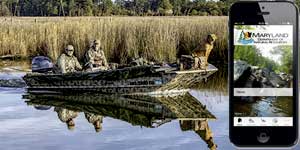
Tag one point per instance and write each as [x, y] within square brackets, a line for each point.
[95, 58]
[67, 62]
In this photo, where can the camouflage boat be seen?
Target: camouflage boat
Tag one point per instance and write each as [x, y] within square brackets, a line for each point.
[148, 111]
[138, 110]
[137, 79]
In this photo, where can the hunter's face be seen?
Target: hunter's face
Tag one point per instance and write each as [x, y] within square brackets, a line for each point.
[70, 52]
[97, 46]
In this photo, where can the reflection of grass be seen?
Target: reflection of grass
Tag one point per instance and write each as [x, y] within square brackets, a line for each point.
[217, 82]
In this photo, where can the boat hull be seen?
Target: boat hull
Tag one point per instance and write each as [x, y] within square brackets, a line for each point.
[142, 79]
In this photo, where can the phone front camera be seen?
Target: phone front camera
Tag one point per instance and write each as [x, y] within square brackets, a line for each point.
[263, 7]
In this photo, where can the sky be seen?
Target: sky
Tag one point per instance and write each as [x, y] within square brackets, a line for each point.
[266, 50]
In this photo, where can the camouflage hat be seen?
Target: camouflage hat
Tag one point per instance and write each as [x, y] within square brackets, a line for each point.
[70, 48]
[97, 42]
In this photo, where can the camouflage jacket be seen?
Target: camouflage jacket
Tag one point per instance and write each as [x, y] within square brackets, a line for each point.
[67, 63]
[92, 118]
[64, 114]
[96, 58]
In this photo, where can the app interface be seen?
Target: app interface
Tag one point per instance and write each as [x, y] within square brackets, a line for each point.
[263, 66]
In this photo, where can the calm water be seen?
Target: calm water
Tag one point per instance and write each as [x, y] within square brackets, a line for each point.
[24, 127]
[267, 107]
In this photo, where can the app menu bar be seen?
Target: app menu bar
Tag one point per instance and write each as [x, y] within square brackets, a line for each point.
[263, 121]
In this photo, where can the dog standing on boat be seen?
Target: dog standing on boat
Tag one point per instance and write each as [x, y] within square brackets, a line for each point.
[202, 52]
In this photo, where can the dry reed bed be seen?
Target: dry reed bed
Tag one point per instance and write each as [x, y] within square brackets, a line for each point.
[156, 38]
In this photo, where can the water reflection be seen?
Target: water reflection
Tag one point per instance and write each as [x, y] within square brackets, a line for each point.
[141, 110]
[66, 116]
[94, 119]
[265, 106]
[201, 128]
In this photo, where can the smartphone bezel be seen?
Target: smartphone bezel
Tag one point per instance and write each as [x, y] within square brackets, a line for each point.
[280, 136]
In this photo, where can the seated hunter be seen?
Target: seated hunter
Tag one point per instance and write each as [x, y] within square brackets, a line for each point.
[66, 116]
[94, 119]
[202, 52]
[67, 62]
[95, 58]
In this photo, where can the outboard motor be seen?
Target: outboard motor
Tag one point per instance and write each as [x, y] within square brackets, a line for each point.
[41, 64]
[42, 107]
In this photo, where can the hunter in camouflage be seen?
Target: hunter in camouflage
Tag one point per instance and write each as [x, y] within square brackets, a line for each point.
[95, 57]
[201, 128]
[67, 62]
[96, 120]
[66, 116]
[202, 52]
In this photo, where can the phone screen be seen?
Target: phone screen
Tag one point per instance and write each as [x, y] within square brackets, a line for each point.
[263, 75]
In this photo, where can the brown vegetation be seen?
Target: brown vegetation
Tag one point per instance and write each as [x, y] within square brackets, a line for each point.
[156, 38]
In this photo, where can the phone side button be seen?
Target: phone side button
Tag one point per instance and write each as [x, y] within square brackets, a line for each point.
[263, 137]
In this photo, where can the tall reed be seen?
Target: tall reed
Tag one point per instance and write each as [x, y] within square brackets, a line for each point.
[156, 38]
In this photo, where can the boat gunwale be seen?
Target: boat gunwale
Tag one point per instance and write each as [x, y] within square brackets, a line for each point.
[34, 74]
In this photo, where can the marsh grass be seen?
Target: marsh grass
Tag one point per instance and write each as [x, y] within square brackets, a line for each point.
[156, 38]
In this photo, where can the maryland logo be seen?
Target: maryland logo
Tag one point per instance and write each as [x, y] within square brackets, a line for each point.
[246, 38]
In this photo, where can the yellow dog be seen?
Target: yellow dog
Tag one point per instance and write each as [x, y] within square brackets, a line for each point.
[201, 52]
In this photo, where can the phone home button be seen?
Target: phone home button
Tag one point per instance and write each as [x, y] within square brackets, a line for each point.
[263, 137]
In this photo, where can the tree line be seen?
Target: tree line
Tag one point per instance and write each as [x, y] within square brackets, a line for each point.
[253, 56]
[114, 7]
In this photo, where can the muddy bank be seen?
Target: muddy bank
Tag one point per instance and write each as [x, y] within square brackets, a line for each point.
[12, 76]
